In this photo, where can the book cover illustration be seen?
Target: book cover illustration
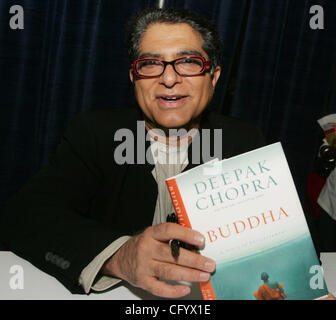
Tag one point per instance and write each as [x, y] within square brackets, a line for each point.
[248, 209]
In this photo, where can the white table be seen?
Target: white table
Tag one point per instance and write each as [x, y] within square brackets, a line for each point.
[39, 285]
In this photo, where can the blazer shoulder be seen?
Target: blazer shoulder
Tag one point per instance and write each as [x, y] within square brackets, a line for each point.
[107, 119]
[228, 123]
[238, 135]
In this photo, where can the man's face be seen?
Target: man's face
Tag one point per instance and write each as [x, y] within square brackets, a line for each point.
[169, 42]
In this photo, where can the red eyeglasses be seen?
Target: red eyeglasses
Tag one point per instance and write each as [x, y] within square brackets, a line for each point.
[185, 66]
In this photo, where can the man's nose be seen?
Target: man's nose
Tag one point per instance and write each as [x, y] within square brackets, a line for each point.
[169, 77]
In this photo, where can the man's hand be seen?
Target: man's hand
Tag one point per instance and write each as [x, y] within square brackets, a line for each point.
[330, 296]
[146, 258]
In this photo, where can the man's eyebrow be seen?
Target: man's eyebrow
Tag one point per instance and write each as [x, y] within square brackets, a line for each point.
[189, 53]
[178, 54]
[149, 55]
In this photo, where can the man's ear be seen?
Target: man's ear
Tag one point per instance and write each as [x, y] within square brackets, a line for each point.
[131, 75]
[216, 75]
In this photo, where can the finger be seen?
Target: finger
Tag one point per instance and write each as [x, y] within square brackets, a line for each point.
[186, 258]
[175, 272]
[330, 297]
[164, 290]
[166, 231]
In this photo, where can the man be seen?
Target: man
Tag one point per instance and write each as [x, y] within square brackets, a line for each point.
[270, 290]
[90, 221]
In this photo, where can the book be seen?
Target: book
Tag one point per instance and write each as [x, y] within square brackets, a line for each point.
[249, 212]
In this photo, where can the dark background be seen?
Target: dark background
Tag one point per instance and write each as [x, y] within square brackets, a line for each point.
[69, 58]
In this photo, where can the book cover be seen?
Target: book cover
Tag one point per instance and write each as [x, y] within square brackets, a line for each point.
[248, 209]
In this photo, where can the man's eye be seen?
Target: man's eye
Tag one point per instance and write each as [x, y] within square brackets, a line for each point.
[191, 61]
[148, 63]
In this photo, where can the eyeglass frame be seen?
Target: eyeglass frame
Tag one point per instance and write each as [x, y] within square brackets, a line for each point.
[206, 63]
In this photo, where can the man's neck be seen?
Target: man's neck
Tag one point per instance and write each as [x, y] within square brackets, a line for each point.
[173, 136]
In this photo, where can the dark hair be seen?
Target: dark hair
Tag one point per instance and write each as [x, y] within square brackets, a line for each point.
[264, 276]
[138, 24]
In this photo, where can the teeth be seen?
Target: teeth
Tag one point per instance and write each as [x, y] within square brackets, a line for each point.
[171, 98]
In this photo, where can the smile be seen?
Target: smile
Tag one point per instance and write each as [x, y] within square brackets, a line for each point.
[171, 98]
[171, 101]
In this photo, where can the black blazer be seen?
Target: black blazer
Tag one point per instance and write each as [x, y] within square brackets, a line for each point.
[83, 200]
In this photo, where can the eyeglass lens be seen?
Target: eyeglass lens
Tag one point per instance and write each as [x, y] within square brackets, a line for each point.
[188, 66]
